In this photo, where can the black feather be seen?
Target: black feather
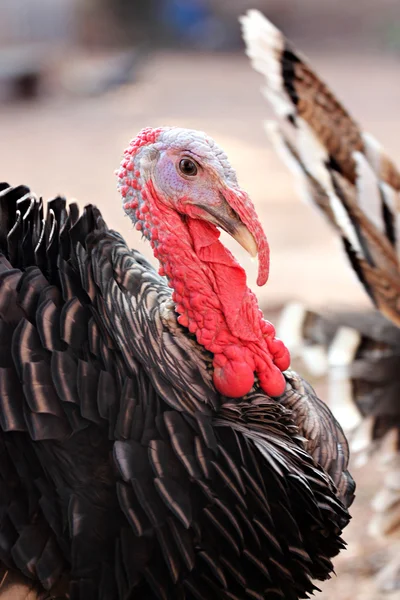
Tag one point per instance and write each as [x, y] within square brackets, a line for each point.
[122, 473]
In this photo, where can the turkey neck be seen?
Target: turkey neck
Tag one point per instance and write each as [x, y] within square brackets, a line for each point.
[212, 298]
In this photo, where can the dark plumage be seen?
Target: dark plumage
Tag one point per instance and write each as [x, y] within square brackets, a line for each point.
[123, 472]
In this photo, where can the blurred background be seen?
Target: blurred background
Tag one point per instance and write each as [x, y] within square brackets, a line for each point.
[79, 78]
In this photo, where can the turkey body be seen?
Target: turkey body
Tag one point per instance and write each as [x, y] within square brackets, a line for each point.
[124, 474]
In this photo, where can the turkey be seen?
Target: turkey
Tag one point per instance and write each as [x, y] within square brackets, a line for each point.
[153, 442]
[348, 176]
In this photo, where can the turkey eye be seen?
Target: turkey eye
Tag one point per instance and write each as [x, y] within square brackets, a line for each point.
[188, 167]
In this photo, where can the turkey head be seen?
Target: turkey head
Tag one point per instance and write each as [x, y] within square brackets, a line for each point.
[179, 188]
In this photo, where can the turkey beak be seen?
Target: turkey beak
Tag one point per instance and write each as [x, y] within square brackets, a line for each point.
[241, 234]
[236, 214]
[223, 216]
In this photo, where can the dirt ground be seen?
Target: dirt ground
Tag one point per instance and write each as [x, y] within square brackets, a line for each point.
[71, 145]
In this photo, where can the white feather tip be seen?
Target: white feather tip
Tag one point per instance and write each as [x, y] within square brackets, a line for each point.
[255, 24]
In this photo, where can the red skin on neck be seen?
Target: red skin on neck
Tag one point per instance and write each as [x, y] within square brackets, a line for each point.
[214, 302]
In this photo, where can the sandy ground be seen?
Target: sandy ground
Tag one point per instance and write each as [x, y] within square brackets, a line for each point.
[72, 145]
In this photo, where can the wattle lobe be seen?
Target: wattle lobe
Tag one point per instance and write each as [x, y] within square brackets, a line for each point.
[235, 379]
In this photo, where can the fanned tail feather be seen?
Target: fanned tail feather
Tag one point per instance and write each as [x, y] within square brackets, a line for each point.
[341, 169]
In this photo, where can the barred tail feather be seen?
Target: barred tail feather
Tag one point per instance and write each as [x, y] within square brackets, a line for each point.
[343, 171]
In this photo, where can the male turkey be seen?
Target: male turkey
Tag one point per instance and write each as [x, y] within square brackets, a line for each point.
[348, 176]
[140, 455]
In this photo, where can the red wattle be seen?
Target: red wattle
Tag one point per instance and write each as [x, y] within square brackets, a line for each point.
[234, 379]
[282, 358]
[273, 383]
[211, 295]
